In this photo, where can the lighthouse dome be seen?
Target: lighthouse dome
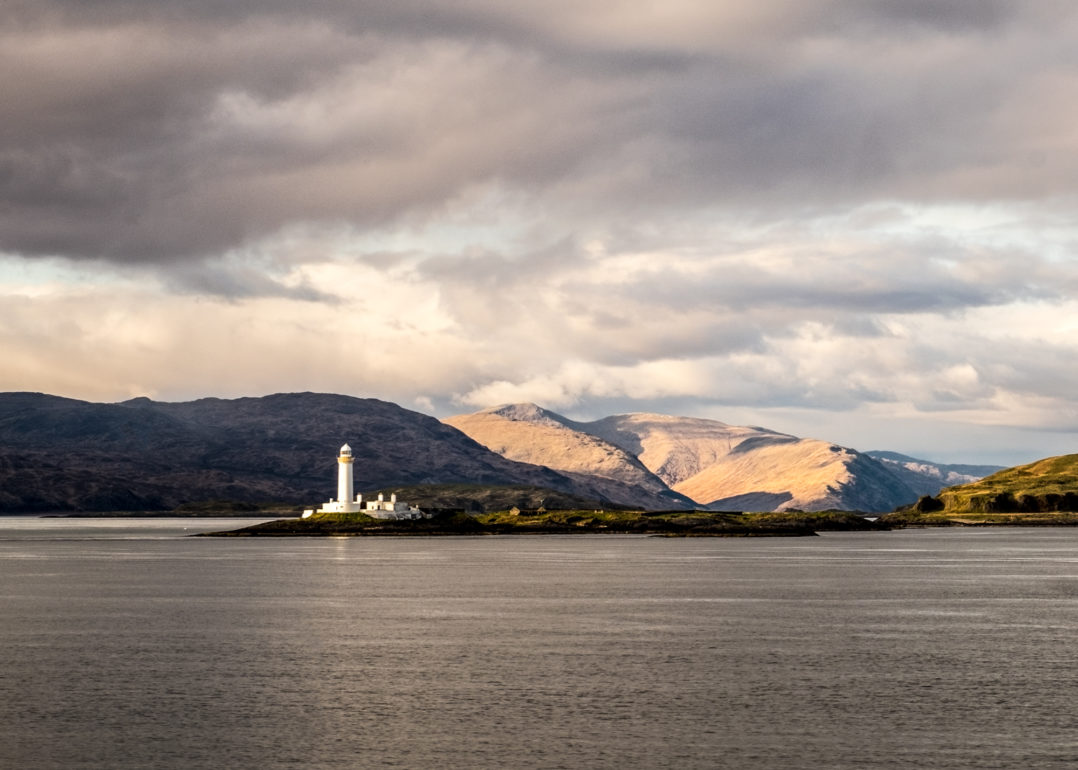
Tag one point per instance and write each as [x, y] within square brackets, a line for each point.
[346, 450]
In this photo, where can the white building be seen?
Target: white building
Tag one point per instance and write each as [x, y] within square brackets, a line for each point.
[379, 509]
[392, 509]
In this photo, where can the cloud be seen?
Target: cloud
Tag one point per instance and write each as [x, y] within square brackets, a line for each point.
[156, 133]
[109, 340]
[237, 278]
[817, 207]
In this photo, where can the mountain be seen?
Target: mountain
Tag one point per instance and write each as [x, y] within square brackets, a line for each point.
[716, 465]
[750, 468]
[678, 448]
[806, 474]
[527, 433]
[62, 454]
[928, 478]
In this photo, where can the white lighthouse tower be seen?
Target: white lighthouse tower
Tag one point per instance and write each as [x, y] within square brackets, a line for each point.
[376, 509]
[344, 475]
[344, 503]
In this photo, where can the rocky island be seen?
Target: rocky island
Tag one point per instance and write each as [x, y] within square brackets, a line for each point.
[566, 522]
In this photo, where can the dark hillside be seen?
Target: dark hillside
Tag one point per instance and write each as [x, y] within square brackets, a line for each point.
[60, 454]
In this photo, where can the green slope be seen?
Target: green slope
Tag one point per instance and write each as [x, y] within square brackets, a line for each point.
[1041, 492]
[1046, 485]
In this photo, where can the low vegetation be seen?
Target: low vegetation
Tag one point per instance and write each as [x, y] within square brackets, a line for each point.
[518, 521]
[911, 518]
[481, 498]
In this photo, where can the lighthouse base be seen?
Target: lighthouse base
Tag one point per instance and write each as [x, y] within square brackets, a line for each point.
[353, 506]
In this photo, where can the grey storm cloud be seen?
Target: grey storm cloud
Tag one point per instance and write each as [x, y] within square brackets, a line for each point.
[238, 281]
[156, 132]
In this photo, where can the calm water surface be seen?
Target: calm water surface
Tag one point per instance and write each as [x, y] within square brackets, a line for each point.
[127, 645]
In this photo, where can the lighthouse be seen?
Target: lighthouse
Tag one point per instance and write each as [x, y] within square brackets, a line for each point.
[344, 503]
[376, 509]
[344, 475]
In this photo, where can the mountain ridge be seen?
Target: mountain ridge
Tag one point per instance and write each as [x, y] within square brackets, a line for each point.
[928, 478]
[63, 454]
[60, 454]
[528, 433]
[714, 464]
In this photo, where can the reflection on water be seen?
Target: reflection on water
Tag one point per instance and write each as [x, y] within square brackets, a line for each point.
[127, 645]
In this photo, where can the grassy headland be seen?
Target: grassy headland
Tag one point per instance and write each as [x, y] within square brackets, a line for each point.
[1043, 493]
[516, 522]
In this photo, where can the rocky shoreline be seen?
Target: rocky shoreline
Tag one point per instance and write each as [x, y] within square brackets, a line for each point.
[575, 522]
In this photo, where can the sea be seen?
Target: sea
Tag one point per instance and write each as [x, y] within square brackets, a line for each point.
[129, 644]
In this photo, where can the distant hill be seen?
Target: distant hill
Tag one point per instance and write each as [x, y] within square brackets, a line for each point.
[1046, 485]
[926, 477]
[719, 466]
[59, 454]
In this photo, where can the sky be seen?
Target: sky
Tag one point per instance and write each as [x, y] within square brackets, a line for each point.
[842, 219]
